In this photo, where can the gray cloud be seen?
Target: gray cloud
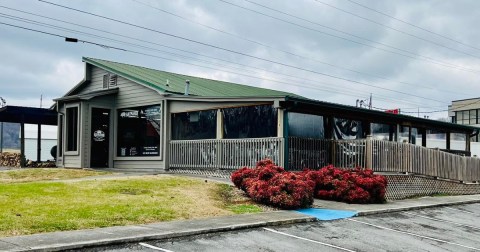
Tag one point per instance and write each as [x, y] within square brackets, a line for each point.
[33, 64]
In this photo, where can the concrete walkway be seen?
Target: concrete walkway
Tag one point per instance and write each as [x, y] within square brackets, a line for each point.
[57, 241]
[400, 205]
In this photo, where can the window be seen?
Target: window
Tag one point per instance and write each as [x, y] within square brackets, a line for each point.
[473, 116]
[467, 117]
[139, 131]
[305, 125]
[250, 122]
[72, 128]
[194, 125]
[347, 129]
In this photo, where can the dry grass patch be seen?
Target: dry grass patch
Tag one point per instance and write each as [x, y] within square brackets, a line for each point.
[39, 174]
[35, 207]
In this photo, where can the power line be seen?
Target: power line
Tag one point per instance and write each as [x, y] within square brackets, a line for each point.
[415, 55]
[177, 55]
[236, 52]
[413, 25]
[168, 59]
[284, 51]
[398, 30]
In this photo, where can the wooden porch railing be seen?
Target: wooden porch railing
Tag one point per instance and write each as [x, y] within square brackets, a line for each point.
[382, 156]
[225, 153]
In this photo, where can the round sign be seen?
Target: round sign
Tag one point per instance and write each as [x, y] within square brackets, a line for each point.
[98, 135]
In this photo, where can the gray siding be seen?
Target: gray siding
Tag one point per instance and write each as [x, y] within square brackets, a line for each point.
[130, 93]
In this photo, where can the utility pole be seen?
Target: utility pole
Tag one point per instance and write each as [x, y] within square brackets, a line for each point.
[2, 104]
[370, 102]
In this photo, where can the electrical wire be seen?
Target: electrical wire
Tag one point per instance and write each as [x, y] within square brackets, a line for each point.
[183, 56]
[415, 56]
[236, 52]
[413, 25]
[173, 60]
[287, 52]
[398, 30]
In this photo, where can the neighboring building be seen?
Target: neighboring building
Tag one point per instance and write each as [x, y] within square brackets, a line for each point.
[130, 117]
[466, 112]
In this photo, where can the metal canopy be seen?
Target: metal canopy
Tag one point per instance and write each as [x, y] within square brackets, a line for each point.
[28, 115]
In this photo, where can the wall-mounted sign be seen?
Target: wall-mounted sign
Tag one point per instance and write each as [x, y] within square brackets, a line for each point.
[98, 136]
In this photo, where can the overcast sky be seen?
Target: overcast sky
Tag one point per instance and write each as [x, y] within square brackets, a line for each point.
[330, 50]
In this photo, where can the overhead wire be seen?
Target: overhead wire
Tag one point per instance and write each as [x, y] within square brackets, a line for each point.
[398, 30]
[413, 25]
[415, 55]
[182, 62]
[284, 51]
[183, 56]
[238, 53]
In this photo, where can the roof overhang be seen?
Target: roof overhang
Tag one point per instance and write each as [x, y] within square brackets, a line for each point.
[29, 115]
[88, 96]
[295, 104]
[223, 99]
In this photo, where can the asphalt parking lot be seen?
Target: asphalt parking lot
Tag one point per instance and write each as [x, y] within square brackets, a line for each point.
[455, 228]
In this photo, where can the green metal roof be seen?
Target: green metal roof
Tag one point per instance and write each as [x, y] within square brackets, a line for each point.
[176, 82]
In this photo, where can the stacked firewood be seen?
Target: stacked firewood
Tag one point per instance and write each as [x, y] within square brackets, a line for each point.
[8, 159]
[42, 164]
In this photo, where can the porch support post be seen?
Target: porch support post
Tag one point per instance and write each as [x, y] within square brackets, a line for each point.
[219, 134]
[280, 126]
[447, 137]
[22, 144]
[39, 142]
[286, 148]
[369, 153]
[467, 143]
[424, 137]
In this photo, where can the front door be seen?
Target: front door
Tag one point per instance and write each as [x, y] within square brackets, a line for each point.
[99, 147]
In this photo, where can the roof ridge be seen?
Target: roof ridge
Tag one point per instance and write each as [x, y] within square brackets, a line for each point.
[157, 84]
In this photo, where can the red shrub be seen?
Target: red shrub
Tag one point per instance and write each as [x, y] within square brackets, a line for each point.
[272, 185]
[352, 186]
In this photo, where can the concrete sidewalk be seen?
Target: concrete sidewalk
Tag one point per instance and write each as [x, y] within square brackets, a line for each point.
[400, 205]
[57, 241]
[124, 234]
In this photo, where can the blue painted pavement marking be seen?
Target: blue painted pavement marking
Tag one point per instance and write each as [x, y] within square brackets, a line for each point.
[327, 214]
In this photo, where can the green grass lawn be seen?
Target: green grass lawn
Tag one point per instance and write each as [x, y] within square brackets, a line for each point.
[39, 174]
[34, 207]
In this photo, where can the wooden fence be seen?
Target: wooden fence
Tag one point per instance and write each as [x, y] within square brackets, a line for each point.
[225, 153]
[381, 156]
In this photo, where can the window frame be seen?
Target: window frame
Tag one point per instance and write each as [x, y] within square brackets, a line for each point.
[116, 113]
[66, 138]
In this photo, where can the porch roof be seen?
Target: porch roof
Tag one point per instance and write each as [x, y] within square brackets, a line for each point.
[296, 104]
[28, 115]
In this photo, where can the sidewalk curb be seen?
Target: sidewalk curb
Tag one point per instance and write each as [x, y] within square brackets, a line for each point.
[158, 235]
[401, 209]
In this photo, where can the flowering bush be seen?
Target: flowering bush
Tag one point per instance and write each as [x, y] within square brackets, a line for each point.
[272, 185]
[348, 185]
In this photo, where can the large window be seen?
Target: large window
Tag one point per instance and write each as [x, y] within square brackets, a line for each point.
[194, 125]
[305, 125]
[139, 131]
[347, 128]
[467, 117]
[250, 122]
[72, 128]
